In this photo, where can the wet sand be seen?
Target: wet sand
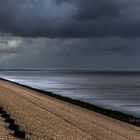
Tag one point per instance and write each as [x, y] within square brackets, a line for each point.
[46, 118]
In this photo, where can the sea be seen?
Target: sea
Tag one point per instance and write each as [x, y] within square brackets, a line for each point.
[119, 91]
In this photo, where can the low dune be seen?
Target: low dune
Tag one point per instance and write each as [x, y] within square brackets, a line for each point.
[42, 117]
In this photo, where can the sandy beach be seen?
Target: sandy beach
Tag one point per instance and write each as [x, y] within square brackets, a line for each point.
[46, 118]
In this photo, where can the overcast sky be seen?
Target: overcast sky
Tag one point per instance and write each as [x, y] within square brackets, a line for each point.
[70, 34]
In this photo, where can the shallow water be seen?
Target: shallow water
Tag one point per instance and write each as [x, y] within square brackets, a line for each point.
[116, 91]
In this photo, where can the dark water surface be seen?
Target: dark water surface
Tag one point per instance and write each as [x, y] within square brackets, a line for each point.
[113, 90]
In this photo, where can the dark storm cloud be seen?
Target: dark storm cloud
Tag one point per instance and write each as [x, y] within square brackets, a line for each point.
[96, 9]
[70, 18]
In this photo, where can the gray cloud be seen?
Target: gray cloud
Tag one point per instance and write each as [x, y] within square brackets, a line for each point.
[70, 34]
[70, 18]
[96, 9]
[75, 54]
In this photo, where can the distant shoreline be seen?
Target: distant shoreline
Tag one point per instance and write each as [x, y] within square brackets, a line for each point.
[76, 70]
[110, 113]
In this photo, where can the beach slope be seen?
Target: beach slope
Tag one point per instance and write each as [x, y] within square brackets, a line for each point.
[46, 118]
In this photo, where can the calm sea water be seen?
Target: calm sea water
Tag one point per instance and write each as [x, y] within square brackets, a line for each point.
[116, 91]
